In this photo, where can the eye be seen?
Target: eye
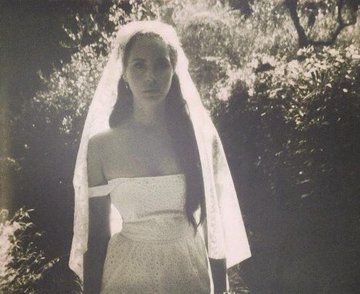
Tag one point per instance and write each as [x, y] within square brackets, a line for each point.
[163, 64]
[139, 65]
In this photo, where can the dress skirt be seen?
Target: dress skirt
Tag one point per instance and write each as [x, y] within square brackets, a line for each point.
[160, 255]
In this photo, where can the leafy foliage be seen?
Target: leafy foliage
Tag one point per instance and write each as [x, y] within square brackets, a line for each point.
[296, 103]
[287, 117]
[22, 263]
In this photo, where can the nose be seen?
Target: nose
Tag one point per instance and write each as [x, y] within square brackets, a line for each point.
[150, 76]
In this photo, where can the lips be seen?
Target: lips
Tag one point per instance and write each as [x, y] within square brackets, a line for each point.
[153, 90]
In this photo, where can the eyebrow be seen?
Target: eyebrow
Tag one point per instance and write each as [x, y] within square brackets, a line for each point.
[137, 59]
[167, 58]
[164, 58]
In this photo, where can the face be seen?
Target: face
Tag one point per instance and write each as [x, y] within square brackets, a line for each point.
[149, 70]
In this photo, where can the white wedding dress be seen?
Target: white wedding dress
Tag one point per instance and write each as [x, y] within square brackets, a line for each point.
[157, 250]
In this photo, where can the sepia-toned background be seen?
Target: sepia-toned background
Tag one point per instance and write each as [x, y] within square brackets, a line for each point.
[282, 81]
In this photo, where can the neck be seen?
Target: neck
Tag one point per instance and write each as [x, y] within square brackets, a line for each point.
[149, 115]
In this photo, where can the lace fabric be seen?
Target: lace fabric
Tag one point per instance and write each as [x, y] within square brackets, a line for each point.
[225, 233]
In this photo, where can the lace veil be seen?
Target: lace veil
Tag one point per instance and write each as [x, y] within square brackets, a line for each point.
[225, 235]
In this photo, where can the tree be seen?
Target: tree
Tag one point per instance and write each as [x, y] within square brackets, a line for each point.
[345, 12]
[285, 116]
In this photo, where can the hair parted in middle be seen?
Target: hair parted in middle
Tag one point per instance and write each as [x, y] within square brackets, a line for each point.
[178, 123]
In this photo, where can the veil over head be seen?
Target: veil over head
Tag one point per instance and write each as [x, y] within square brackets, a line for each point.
[224, 230]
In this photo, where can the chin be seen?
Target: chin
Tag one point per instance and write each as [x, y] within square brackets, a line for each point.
[154, 96]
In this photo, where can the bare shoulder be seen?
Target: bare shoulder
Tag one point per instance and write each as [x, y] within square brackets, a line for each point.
[110, 138]
[100, 138]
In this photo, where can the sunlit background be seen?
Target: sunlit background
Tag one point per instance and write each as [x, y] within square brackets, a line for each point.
[281, 79]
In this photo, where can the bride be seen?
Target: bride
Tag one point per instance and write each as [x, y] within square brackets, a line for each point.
[150, 150]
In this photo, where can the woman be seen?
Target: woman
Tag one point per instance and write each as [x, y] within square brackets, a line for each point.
[149, 144]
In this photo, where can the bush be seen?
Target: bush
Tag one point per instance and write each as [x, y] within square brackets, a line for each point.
[287, 118]
[293, 155]
[299, 104]
[22, 263]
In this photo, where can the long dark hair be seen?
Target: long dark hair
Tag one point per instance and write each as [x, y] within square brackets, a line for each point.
[180, 129]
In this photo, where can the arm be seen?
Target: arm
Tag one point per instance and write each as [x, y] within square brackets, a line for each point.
[218, 271]
[99, 226]
[98, 239]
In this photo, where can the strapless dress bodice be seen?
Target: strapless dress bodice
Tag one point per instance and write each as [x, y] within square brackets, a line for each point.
[151, 208]
[140, 198]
